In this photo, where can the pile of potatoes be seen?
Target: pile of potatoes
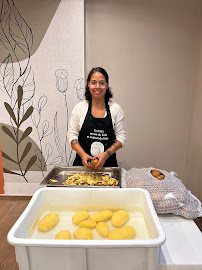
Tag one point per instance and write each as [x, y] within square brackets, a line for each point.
[86, 222]
[157, 174]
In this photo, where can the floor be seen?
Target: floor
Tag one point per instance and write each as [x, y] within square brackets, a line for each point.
[11, 207]
[10, 210]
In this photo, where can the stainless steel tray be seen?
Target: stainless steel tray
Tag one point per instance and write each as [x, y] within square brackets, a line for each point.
[60, 174]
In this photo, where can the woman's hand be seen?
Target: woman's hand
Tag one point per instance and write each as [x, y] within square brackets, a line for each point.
[104, 156]
[85, 157]
[102, 159]
[86, 160]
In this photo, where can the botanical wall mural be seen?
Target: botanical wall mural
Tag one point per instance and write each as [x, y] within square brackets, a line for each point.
[37, 93]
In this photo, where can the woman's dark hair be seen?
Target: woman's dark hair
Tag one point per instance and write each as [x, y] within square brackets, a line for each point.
[108, 93]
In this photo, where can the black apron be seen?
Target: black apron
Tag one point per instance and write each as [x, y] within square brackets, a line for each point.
[96, 136]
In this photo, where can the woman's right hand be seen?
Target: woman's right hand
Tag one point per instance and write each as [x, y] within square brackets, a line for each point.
[85, 157]
[85, 160]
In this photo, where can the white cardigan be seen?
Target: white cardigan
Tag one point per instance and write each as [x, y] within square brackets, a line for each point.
[78, 116]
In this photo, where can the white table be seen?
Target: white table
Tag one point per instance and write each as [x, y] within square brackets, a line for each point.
[183, 247]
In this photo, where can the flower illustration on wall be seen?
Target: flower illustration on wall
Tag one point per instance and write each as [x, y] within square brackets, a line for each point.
[79, 85]
[32, 135]
[62, 86]
[61, 80]
[43, 129]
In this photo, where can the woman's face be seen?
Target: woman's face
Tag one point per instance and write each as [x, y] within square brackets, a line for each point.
[97, 85]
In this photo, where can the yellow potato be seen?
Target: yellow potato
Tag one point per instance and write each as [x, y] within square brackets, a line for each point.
[87, 224]
[119, 218]
[161, 177]
[155, 173]
[94, 162]
[102, 228]
[101, 216]
[123, 233]
[63, 235]
[93, 179]
[80, 216]
[83, 234]
[48, 222]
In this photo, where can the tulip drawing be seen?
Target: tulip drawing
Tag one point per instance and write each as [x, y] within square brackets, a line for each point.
[79, 85]
[62, 86]
[61, 80]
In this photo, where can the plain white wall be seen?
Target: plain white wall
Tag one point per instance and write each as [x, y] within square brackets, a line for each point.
[194, 157]
[149, 49]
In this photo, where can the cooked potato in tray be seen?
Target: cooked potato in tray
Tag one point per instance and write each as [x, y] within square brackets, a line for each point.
[93, 179]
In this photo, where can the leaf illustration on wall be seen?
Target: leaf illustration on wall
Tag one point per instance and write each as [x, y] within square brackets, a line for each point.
[46, 129]
[25, 134]
[14, 29]
[7, 75]
[8, 171]
[36, 117]
[20, 31]
[27, 114]
[28, 84]
[16, 36]
[48, 150]
[20, 95]
[17, 81]
[39, 155]
[26, 151]
[5, 18]
[43, 130]
[11, 112]
[42, 102]
[8, 132]
[7, 157]
[15, 135]
[56, 161]
[8, 146]
[30, 163]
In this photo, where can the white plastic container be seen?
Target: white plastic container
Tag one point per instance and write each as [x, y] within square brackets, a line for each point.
[51, 254]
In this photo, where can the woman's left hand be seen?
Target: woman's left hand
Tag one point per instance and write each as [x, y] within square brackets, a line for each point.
[102, 159]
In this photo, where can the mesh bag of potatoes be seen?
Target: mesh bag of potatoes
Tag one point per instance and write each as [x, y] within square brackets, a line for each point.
[168, 193]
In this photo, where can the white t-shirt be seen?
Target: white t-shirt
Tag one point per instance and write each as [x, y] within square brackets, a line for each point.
[78, 116]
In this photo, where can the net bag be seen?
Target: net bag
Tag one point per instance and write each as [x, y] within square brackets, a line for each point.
[168, 193]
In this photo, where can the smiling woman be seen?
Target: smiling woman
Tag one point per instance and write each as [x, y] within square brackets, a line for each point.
[96, 129]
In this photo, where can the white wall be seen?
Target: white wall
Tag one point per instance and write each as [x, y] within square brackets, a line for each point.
[149, 49]
[194, 155]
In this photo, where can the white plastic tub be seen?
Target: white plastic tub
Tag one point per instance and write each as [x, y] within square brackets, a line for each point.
[35, 253]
